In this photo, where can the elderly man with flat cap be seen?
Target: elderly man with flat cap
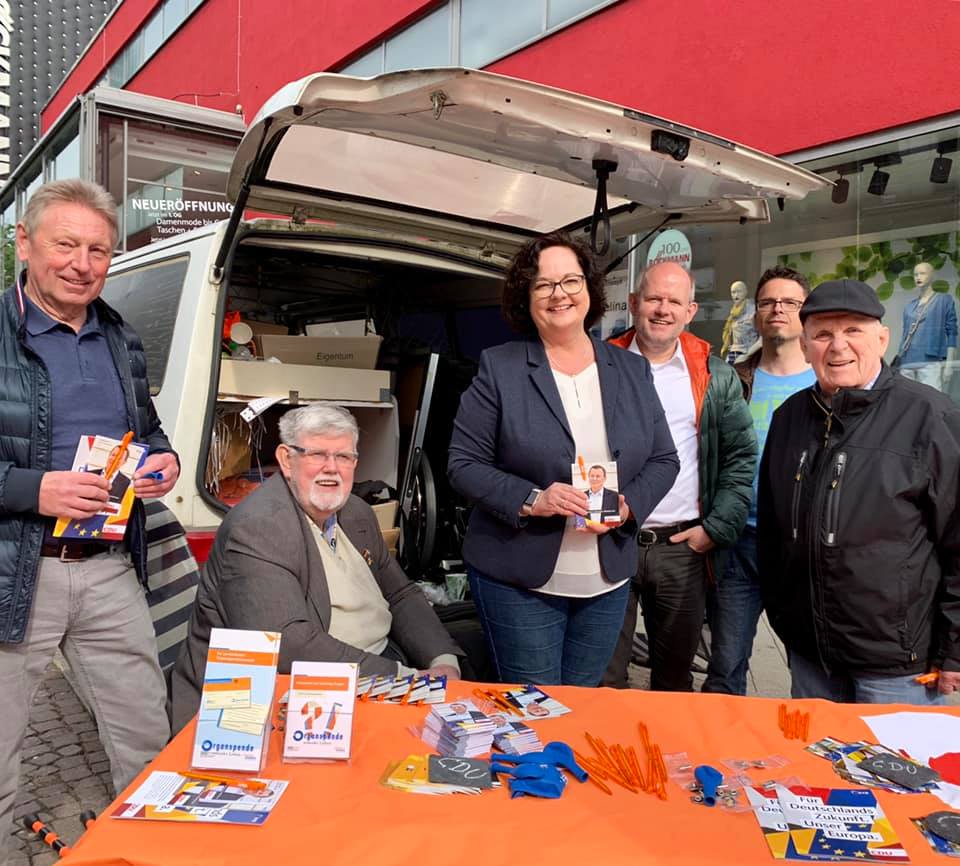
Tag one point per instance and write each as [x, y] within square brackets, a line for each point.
[858, 533]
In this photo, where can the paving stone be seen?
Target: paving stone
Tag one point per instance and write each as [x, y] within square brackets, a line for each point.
[43, 758]
[68, 750]
[76, 718]
[43, 714]
[52, 790]
[74, 774]
[100, 767]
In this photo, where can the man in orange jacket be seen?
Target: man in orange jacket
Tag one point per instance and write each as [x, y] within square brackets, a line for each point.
[705, 510]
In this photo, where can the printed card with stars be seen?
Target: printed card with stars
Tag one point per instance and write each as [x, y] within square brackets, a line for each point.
[117, 462]
[802, 823]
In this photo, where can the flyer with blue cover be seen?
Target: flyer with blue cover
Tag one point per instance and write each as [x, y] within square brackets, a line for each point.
[233, 724]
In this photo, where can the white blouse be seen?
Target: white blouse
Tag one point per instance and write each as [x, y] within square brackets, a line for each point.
[577, 573]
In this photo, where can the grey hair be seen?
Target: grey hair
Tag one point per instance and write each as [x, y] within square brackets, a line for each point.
[317, 419]
[642, 280]
[71, 191]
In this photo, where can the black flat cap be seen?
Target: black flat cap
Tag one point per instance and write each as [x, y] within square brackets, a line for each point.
[842, 296]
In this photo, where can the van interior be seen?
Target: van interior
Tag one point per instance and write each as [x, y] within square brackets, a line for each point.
[431, 313]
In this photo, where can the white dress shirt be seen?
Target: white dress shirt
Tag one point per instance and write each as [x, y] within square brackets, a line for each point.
[577, 573]
[672, 381]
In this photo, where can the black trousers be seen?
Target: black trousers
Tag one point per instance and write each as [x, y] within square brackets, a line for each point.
[671, 586]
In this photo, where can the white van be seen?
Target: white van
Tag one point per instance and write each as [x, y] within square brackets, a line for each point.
[397, 202]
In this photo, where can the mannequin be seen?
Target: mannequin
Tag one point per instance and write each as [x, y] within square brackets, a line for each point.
[929, 322]
[738, 331]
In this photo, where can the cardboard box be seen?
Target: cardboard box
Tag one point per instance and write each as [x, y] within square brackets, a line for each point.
[386, 513]
[262, 379]
[391, 538]
[261, 328]
[356, 353]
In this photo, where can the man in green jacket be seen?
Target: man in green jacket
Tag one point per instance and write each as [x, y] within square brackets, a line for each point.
[684, 539]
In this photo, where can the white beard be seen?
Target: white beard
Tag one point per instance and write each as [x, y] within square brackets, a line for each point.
[328, 498]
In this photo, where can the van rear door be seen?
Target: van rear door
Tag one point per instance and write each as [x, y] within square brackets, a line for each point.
[460, 153]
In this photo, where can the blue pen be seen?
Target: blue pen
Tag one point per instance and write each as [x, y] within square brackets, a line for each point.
[156, 476]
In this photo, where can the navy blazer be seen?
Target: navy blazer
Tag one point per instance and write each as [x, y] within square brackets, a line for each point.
[511, 434]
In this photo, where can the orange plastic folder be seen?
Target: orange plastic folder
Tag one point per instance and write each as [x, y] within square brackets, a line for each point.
[340, 814]
[116, 460]
[233, 724]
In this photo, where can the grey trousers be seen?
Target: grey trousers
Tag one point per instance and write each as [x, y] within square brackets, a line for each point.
[96, 612]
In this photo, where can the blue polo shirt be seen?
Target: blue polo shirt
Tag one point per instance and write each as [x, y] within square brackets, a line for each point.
[87, 394]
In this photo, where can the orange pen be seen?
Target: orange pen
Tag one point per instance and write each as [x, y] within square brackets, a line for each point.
[583, 467]
[117, 461]
[247, 784]
[926, 679]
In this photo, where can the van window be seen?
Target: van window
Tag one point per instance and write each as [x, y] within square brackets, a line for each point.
[148, 298]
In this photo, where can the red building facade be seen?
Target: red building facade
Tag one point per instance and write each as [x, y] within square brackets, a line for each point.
[847, 89]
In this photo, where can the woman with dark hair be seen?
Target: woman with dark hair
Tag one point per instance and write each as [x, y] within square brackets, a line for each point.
[551, 595]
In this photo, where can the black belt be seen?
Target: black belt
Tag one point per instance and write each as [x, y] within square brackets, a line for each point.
[74, 551]
[661, 534]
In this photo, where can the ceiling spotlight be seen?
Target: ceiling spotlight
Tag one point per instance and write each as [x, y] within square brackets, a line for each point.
[841, 189]
[940, 170]
[878, 182]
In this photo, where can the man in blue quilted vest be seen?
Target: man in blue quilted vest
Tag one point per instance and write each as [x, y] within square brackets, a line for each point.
[71, 367]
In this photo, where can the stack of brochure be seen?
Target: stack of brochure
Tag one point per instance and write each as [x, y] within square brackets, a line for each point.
[801, 823]
[458, 728]
[514, 737]
[412, 689]
[848, 758]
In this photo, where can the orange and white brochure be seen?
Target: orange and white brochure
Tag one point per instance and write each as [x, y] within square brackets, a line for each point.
[320, 711]
[233, 725]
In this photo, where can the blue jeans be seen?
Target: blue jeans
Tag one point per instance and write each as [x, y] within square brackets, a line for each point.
[734, 615]
[547, 639]
[809, 680]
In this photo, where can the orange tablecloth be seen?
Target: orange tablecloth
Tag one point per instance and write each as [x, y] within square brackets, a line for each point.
[339, 814]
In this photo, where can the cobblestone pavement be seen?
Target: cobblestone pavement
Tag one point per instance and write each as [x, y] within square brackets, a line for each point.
[64, 770]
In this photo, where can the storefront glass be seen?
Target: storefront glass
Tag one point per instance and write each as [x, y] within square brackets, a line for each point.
[166, 180]
[876, 230]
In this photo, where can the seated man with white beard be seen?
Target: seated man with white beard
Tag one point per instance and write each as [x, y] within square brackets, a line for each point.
[303, 557]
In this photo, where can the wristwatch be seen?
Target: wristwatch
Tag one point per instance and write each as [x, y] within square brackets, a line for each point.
[531, 500]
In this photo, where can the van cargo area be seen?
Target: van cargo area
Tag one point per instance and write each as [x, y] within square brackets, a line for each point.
[413, 323]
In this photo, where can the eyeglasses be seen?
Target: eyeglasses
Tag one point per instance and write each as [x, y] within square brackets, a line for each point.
[790, 305]
[341, 458]
[572, 284]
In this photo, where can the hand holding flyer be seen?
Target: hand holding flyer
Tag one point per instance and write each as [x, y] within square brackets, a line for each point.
[598, 480]
[116, 460]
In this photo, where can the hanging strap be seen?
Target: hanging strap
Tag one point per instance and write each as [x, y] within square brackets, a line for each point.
[601, 214]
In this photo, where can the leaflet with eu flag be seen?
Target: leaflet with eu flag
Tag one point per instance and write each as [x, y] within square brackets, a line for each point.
[233, 725]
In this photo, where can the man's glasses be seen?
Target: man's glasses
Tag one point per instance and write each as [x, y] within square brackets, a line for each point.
[572, 284]
[341, 458]
[790, 305]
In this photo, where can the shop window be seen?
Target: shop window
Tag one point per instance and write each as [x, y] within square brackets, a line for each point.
[896, 205]
[563, 11]
[367, 65]
[492, 28]
[67, 162]
[422, 45]
[174, 14]
[153, 34]
[133, 56]
[148, 298]
[175, 181]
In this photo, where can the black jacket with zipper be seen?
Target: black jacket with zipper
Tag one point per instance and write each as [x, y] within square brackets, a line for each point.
[858, 531]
